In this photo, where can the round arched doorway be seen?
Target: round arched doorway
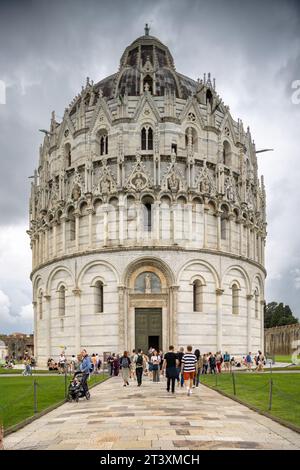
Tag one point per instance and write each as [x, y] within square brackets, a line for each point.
[150, 306]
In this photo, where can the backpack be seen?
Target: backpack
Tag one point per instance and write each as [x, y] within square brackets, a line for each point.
[125, 362]
[139, 360]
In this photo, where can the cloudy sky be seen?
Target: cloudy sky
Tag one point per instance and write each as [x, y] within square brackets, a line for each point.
[49, 48]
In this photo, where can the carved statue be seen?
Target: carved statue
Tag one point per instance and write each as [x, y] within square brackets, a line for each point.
[148, 283]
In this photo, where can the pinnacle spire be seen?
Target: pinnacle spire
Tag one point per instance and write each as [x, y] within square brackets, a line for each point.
[147, 29]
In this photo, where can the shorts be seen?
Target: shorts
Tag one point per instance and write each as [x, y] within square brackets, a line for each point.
[188, 375]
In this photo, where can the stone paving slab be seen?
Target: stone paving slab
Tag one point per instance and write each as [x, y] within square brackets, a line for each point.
[149, 417]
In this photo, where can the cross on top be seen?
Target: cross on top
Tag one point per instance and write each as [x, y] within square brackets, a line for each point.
[147, 29]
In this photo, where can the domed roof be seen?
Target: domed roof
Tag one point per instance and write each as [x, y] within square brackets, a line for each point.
[147, 59]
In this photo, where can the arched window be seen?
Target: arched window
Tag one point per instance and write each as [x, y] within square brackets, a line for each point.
[147, 214]
[71, 224]
[62, 301]
[147, 138]
[235, 299]
[226, 153]
[99, 297]
[209, 98]
[148, 84]
[256, 300]
[197, 296]
[224, 219]
[103, 141]
[68, 155]
[40, 305]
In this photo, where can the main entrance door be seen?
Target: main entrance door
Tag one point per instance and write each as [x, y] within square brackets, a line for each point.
[148, 328]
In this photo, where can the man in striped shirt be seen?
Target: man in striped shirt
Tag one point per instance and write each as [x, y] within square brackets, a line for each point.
[188, 368]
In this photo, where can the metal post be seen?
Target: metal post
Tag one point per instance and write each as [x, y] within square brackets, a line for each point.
[233, 383]
[65, 381]
[270, 394]
[35, 405]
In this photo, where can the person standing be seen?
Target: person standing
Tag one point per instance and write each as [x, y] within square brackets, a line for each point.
[205, 364]
[226, 360]
[212, 364]
[180, 355]
[155, 361]
[219, 361]
[188, 368]
[139, 366]
[110, 362]
[62, 362]
[249, 362]
[132, 368]
[116, 365]
[170, 364]
[199, 367]
[85, 368]
[125, 367]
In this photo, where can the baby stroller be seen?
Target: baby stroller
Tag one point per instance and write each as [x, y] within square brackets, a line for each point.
[76, 389]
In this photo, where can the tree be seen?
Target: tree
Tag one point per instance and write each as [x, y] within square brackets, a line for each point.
[277, 314]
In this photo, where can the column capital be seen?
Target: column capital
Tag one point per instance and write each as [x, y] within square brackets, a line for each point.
[219, 291]
[174, 288]
[76, 291]
[47, 296]
[249, 296]
[262, 302]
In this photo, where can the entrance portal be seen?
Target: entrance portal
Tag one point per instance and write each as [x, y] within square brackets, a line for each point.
[148, 328]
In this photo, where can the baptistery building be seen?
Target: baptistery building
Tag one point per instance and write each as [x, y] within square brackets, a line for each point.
[147, 217]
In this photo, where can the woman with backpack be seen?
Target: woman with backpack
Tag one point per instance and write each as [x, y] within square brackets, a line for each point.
[125, 367]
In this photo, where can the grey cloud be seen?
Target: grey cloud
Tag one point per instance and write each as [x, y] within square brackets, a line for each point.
[252, 48]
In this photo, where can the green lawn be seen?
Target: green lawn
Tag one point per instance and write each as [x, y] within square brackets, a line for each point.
[20, 371]
[283, 358]
[253, 388]
[16, 395]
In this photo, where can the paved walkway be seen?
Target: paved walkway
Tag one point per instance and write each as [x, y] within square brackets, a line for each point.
[120, 417]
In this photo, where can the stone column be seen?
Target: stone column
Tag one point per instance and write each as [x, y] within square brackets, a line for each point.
[230, 220]
[157, 220]
[63, 234]
[35, 345]
[263, 251]
[173, 316]
[54, 235]
[48, 325]
[77, 323]
[105, 224]
[122, 327]
[121, 221]
[173, 222]
[77, 218]
[254, 244]
[248, 240]
[47, 243]
[90, 216]
[219, 335]
[249, 322]
[262, 336]
[241, 238]
[189, 234]
[138, 221]
[205, 226]
[218, 215]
